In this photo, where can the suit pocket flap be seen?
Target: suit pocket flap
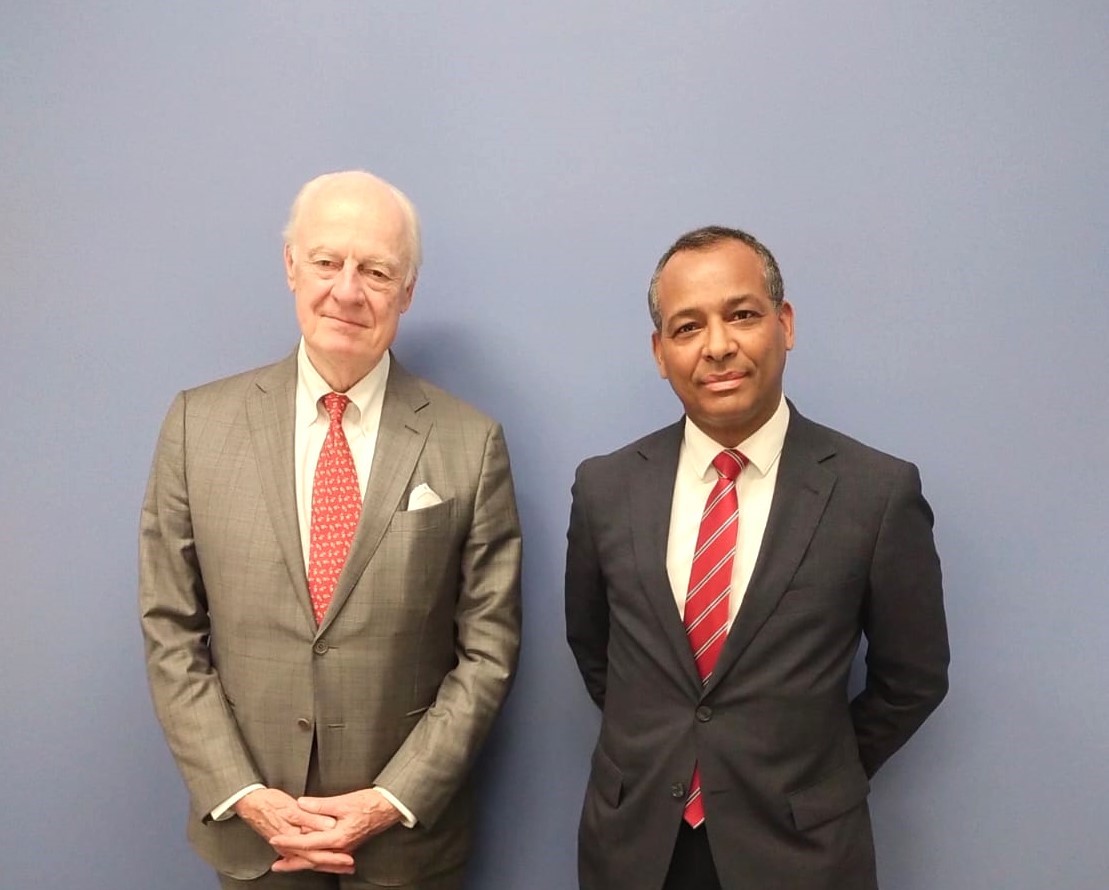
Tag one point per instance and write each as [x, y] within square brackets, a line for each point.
[832, 796]
[607, 778]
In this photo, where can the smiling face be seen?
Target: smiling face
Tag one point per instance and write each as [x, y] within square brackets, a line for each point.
[348, 265]
[723, 342]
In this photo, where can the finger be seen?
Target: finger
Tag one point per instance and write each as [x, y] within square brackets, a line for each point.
[318, 805]
[319, 860]
[291, 863]
[311, 821]
[298, 844]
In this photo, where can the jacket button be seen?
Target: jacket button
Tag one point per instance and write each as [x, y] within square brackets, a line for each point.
[704, 713]
[677, 791]
[304, 723]
[321, 647]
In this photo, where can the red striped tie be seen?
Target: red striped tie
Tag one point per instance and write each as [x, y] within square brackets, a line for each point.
[710, 582]
[336, 506]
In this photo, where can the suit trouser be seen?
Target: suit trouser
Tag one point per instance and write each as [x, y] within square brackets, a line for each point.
[311, 880]
[692, 867]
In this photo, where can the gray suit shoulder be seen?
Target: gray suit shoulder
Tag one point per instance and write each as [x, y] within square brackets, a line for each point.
[449, 407]
[240, 383]
[224, 400]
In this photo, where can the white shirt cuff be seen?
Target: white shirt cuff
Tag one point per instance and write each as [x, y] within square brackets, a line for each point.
[408, 820]
[224, 811]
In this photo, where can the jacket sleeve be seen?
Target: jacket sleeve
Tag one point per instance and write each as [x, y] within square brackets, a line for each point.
[587, 613]
[188, 698]
[905, 626]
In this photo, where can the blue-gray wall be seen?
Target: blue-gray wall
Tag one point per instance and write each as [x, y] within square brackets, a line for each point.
[932, 176]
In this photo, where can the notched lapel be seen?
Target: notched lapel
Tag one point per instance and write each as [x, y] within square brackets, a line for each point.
[271, 409]
[651, 495]
[804, 485]
[402, 434]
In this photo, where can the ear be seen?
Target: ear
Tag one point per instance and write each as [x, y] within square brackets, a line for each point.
[289, 265]
[406, 294]
[656, 348]
[786, 319]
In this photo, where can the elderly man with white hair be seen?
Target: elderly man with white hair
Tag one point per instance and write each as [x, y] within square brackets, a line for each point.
[329, 580]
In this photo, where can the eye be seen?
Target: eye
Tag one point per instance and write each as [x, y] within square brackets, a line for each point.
[744, 315]
[376, 273]
[685, 329]
[324, 263]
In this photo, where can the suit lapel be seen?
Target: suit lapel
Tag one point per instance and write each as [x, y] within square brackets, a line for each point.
[401, 436]
[271, 410]
[801, 493]
[651, 493]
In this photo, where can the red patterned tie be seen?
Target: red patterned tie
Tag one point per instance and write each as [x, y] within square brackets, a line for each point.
[336, 505]
[710, 581]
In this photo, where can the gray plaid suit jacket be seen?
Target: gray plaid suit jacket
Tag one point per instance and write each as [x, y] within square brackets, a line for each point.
[400, 683]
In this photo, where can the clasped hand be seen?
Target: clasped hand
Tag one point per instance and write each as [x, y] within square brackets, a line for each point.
[316, 833]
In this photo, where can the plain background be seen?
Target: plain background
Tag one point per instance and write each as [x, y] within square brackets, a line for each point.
[932, 177]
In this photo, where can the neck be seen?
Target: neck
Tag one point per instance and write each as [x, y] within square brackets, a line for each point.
[340, 376]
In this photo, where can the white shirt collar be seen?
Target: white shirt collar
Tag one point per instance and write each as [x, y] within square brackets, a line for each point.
[311, 387]
[762, 448]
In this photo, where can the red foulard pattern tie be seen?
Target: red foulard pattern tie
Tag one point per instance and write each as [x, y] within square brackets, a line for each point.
[710, 582]
[336, 506]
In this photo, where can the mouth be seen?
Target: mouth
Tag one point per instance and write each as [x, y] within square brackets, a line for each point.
[723, 382]
[345, 321]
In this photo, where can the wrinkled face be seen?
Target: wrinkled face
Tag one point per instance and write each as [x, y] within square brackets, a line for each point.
[346, 265]
[723, 343]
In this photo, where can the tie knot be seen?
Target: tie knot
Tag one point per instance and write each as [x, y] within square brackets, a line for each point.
[729, 464]
[335, 403]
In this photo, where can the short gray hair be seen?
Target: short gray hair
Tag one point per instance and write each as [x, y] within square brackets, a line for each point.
[710, 236]
[311, 188]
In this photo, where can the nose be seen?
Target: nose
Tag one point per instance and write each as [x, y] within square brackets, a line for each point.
[346, 286]
[719, 343]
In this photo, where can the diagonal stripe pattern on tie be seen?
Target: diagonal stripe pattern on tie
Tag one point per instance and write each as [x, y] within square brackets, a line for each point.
[710, 584]
[336, 506]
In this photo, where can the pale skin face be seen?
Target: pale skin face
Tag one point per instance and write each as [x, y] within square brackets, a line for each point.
[346, 264]
[723, 343]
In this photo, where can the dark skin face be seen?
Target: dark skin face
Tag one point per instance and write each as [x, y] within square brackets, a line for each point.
[723, 342]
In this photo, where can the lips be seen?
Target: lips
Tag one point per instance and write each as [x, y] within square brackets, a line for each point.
[346, 321]
[723, 382]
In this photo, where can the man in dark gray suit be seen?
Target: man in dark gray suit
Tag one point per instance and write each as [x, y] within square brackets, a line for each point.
[770, 545]
[326, 672]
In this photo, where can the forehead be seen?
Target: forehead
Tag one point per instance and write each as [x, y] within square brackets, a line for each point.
[362, 219]
[726, 270]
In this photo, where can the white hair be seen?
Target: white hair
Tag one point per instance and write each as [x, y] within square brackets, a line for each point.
[412, 219]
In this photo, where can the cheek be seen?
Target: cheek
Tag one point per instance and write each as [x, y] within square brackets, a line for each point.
[682, 365]
[307, 305]
[386, 308]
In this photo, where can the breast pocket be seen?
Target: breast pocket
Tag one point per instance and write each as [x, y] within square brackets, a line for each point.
[427, 519]
[831, 595]
[414, 570]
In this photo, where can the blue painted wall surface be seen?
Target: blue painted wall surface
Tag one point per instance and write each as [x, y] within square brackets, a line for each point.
[932, 177]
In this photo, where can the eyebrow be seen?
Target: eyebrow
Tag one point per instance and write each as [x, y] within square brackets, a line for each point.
[728, 303]
[317, 250]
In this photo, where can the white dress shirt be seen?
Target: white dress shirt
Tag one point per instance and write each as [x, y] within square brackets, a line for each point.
[754, 491]
[361, 422]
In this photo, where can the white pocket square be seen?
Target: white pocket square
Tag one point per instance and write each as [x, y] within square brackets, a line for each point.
[423, 497]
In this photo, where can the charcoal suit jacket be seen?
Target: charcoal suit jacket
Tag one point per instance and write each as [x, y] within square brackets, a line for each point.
[785, 757]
